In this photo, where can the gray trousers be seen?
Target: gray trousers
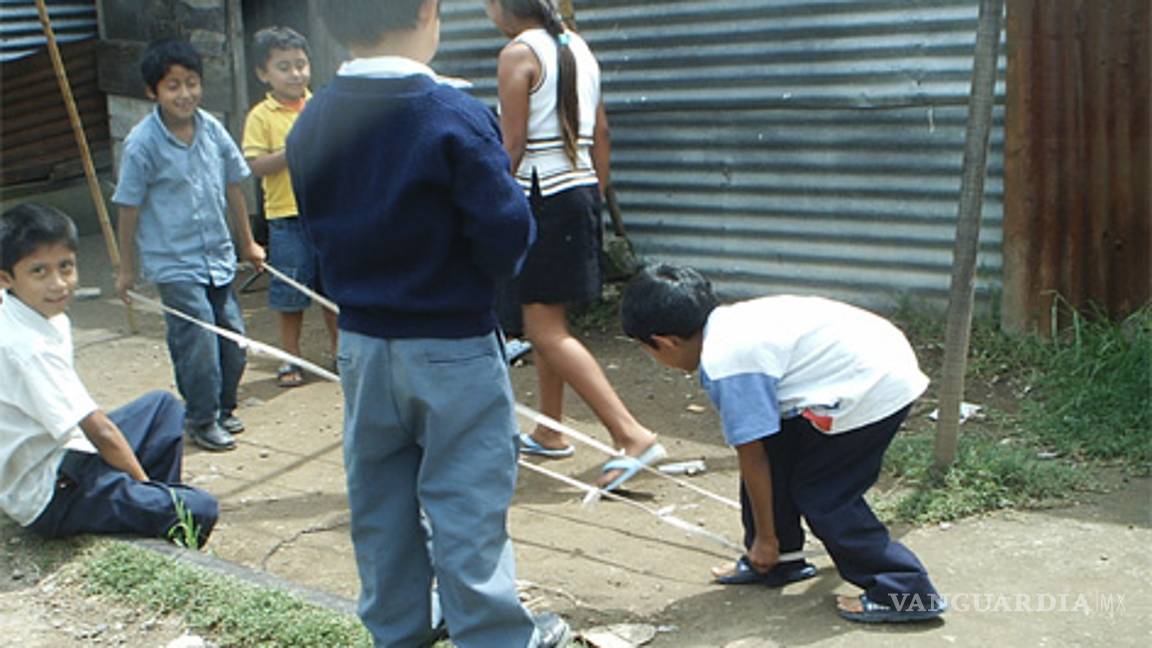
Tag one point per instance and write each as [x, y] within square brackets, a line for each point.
[429, 426]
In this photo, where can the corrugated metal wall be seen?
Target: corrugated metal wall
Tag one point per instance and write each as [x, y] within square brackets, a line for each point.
[783, 145]
[36, 139]
[1078, 221]
[20, 31]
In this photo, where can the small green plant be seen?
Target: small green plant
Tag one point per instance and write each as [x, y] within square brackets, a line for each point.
[989, 474]
[186, 531]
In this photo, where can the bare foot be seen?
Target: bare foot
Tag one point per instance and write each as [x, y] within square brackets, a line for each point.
[849, 604]
[548, 439]
[726, 570]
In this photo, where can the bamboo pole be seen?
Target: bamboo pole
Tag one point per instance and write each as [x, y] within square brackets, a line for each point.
[960, 297]
[82, 143]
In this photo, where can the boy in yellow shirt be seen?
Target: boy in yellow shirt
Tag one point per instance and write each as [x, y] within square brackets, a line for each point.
[281, 56]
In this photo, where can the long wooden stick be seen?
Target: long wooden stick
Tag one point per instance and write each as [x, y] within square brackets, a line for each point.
[82, 143]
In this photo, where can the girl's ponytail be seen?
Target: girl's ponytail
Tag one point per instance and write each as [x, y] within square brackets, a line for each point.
[567, 99]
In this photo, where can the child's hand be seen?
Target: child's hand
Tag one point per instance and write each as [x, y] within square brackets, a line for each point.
[125, 281]
[255, 255]
[764, 554]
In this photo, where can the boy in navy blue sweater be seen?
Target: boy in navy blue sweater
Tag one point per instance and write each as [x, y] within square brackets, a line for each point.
[403, 185]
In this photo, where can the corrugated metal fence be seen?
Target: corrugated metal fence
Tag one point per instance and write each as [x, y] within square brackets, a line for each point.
[783, 145]
[20, 32]
[1079, 214]
[36, 139]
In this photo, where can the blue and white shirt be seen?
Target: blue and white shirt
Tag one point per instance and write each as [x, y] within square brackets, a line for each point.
[839, 366]
[181, 190]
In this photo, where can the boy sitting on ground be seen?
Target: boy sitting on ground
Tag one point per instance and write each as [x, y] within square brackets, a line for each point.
[66, 467]
[810, 392]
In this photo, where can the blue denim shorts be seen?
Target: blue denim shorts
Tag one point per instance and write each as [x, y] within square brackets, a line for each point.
[291, 251]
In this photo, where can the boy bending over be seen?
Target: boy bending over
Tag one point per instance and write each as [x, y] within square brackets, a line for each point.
[810, 392]
[66, 467]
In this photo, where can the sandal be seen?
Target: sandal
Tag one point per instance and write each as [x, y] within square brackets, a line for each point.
[914, 609]
[782, 574]
[289, 375]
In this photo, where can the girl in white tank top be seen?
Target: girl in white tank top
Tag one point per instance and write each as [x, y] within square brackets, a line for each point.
[556, 134]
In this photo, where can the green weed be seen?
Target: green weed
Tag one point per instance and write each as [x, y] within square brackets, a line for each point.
[235, 614]
[989, 474]
[186, 531]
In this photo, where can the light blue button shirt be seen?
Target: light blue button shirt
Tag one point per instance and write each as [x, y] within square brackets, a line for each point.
[181, 191]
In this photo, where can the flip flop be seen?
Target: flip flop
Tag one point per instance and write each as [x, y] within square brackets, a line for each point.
[530, 446]
[289, 375]
[633, 465]
[778, 576]
[873, 612]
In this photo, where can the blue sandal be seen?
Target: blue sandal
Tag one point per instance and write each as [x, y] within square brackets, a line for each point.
[530, 446]
[778, 576]
[632, 465]
[916, 610]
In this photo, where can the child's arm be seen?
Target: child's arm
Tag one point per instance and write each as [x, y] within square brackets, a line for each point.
[126, 273]
[602, 148]
[516, 73]
[756, 473]
[111, 444]
[266, 165]
[238, 210]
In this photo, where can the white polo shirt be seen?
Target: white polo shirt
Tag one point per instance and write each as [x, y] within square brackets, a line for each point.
[839, 366]
[41, 403]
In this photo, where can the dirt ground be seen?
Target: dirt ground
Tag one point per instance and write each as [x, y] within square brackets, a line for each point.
[1070, 576]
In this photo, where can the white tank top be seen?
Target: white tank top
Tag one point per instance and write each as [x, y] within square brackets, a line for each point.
[544, 150]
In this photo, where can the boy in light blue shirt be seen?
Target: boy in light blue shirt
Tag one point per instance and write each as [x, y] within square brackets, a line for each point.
[179, 173]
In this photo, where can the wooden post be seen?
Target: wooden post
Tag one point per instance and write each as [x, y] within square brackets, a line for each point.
[967, 234]
[82, 143]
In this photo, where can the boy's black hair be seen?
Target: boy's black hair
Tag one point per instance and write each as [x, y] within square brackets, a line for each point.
[361, 22]
[276, 38]
[28, 227]
[666, 300]
[163, 54]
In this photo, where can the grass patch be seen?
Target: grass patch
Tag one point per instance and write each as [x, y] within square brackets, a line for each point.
[1082, 396]
[232, 612]
[1093, 387]
[989, 474]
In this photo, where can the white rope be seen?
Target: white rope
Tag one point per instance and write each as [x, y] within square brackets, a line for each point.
[243, 342]
[663, 516]
[553, 424]
[522, 410]
[317, 297]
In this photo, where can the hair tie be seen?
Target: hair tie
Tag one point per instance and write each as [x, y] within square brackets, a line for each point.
[563, 39]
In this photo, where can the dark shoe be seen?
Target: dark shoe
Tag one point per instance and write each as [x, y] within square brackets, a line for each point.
[552, 631]
[778, 576]
[211, 437]
[914, 609]
[231, 424]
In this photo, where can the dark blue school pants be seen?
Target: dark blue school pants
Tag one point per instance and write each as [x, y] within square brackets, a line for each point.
[823, 477]
[93, 497]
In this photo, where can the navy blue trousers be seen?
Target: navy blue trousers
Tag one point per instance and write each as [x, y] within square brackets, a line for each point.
[93, 497]
[823, 477]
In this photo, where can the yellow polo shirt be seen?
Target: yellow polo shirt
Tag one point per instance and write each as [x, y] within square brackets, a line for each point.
[265, 131]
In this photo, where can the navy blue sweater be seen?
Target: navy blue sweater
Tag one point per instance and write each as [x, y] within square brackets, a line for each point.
[405, 189]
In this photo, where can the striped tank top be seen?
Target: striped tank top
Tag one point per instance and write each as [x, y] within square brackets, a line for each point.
[544, 151]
